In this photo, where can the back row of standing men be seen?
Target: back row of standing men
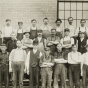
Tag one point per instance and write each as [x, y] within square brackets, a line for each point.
[45, 47]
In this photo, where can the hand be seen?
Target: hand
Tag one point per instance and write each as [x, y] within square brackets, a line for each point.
[27, 72]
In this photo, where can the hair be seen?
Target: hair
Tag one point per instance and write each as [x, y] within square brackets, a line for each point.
[69, 18]
[82, 20]
[58, 20]
[35, 42]
[18, 40]
[20, 23]
[33, 20]
[59, 44]
[45, 19]
[53, 29]
[74, 45]
[8, 20]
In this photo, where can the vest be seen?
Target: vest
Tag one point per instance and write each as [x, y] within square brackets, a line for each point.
[81, 45]
[59, 55]
[34, 57]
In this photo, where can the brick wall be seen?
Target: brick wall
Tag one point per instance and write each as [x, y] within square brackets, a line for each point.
[25, 10]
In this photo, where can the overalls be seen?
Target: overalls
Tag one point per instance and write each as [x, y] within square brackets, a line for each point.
[60, 70]
[46, 74]
[20, 35]
[46, 33]
[4, 70]
[33, 33]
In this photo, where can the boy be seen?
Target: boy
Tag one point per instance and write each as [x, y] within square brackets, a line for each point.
[60, 67]
[17, 60]
[74, 67]
[46, 64]
[32, 64]
[4, 70]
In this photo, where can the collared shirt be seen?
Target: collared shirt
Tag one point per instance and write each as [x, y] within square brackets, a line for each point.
[28, 58]
[74, 57]
[82, 29]
[6, 31]
[46, 27]
[67, 38]
[17, 55]
[72, 29]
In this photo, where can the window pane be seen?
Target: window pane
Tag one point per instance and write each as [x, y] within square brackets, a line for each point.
[85, 14]
[61, 14]
[79, 6]
[85, 6]
[67, 6]
[61, 6]
[73, 6]
[67, 14]
[79, 14]
[73, 14]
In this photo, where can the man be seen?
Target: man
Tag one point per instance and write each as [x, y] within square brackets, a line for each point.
[71, 27]
[27, 42]
[4, 70]
[17, 60]
[11, 44]
[20, 31]
[33, 29]
[82, 41]
[53, 40]
[1, 38]
[84, 65]
[32, 65]
[74, 67]
[46, 28]
[46, 64]
[82, 28]
[60, 67]
[67, 42]
[6, 31]
[41, 40]
[59, 30]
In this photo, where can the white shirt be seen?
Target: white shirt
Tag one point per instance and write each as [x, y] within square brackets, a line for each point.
[67, 38]
[46, 27]
[74, 57]
[6, 31]
[58, 29]
[28, 59]
[82, 29]
[72, 30]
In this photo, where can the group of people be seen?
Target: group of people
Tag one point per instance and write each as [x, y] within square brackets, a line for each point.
[46, 52]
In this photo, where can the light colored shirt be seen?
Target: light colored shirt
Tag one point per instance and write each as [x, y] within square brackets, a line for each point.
[27, 63]
[74, 57]
[46, 27]
[6, 31]
[82, 29]
[67, 38]
[72, 30]
[39, 38]
[59, 29]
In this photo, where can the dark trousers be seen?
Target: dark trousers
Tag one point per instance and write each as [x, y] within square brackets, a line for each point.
[4, 75]
[84, 79]
[6, 39]
[34, 76]
[60, 70]
[18, 67]
[74, 75]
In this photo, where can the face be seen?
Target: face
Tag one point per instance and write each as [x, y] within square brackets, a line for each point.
[66, 33]
[53, 32]
[27, 35]
[82, 23]
[70, 21]
[35, 46]
[74, 48]
[39, 34]
[34, 23]
[46, 21]
[81, 35]
[20, 25]
[3, 48]
[58, 23]
[59, 47]
[8, 23]
[13, 36]
[19, 44]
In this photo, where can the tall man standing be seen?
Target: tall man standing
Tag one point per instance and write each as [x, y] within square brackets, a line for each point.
[17, 63]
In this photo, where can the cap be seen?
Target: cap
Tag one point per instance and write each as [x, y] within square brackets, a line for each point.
[8, 20]
[20, 22]
[39, 31]
[58, 20]
[70, 19]
[66, 29]
[33, 20]
[82, 20]
[35, 42]
[26, 32]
